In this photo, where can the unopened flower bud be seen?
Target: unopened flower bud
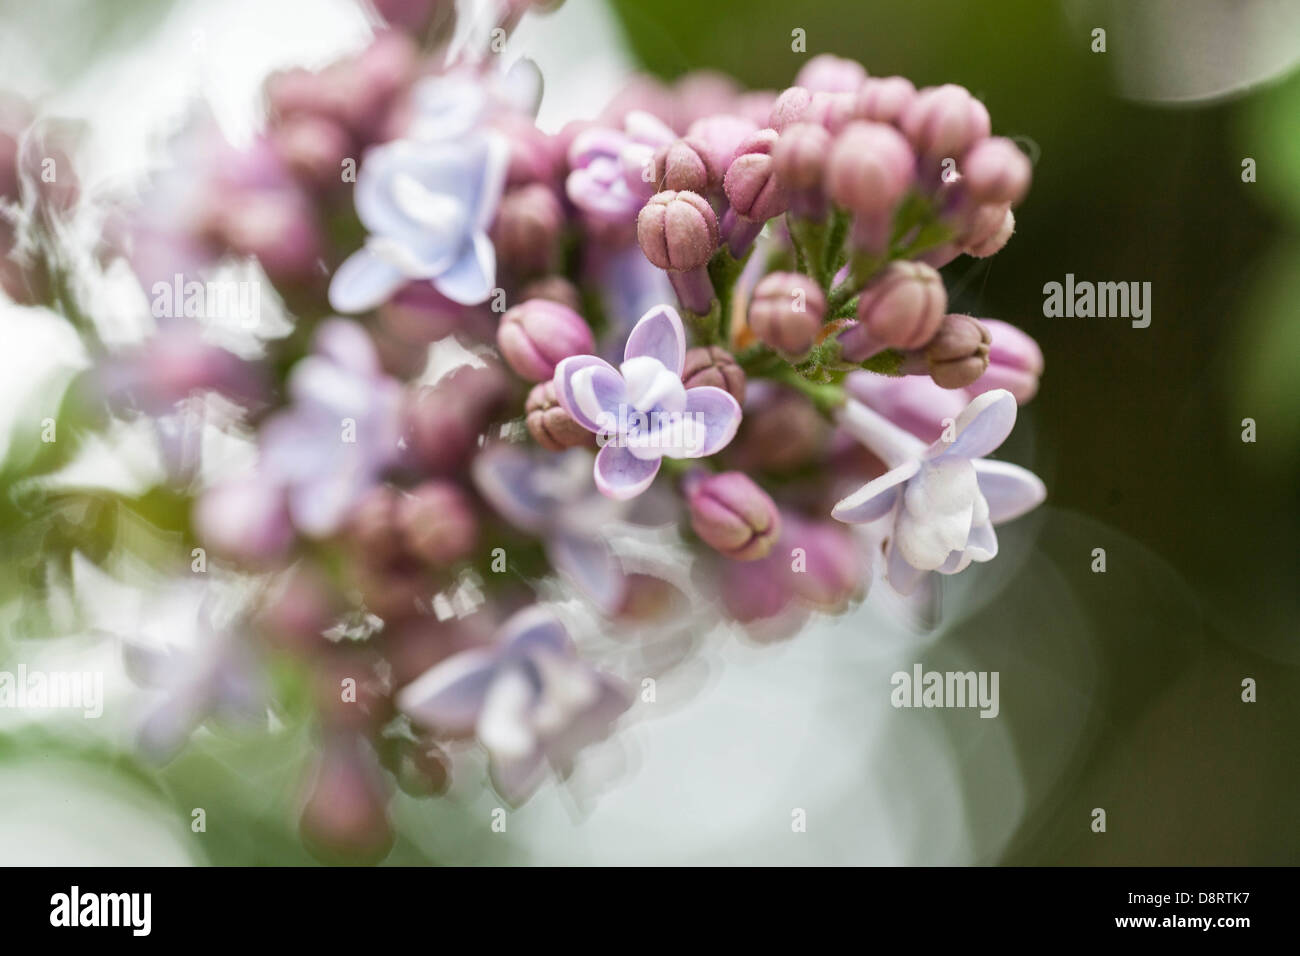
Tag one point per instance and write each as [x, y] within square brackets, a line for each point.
[679, 166]
[830, 74]
[537, 335]
[550, 425]
[786, 313]
[751, 184]
[345, 816]
[734, 516]
[869, 168]
[903, 306]
[945, 121]
[883, 99]
[789, 108]
[799, 160]
[553, 289]
[436, 523]
[677, 230]
[996, 171]
[1015, 362]
[991, 231]
[715, 140]
[959, 352]
[714, 365]
[527, 228]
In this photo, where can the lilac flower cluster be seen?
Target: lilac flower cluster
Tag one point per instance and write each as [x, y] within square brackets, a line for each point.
[711, 309]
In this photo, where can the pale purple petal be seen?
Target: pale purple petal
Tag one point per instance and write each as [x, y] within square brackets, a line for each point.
[563, 382]
[363, 281]
[469, 280]
[515, 779]
[720, 413]
[659, 334]
[981, 428]
[876, 498]
[902, 577]
[449, 696]
[504, 476]
[533, 629]
[982, 545]
[598, 394]
[592, 566]
[937, 511]
[347, 345]
[1010, 490]
[621, 475]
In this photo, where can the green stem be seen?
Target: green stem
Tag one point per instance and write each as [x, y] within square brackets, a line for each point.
[825, 396]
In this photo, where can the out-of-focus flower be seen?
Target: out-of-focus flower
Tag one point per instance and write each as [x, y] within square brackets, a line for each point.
[530, 701]
[786, 313]
[427, 207]
[912, 402]
[883, 99]
[527, 229]
[827, 73]
[943, 122]
[1015, 362]
[612, 171]
[345, 815]
[941, 502]
[340, 434]
[536, 335]
[995, 170]
[641, 411]
[442, 422]
[433, 522]
[782, 431]
[733, 515]
[552, 496]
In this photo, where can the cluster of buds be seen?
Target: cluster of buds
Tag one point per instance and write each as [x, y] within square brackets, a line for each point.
[711, 307]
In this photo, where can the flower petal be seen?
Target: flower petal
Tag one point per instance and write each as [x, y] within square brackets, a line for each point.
[876, 498]
[720, 413]
[563, 382]
[938, 507]
[659, 334]
[621, 475]
[902, 577]
[450, 695]
[504, 476]
[593, 568]
[599, 394]
[981, 428]
[1010, 490]
[469, 280]
[533, 629]
[363, 281]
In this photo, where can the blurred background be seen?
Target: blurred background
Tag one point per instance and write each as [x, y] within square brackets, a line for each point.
[1119, 690]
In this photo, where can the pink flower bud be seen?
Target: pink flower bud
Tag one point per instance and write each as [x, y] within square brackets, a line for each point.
[996, 171]
[1015, 362]
[554, 289]
[869, 168]
[959, 352]
[834, 111]
[345, 816]
[991, 230]
[550, 425]
[245, 519]
[437, 523]
[537, 335]
[903, 306]
[527, 228]
[715, 140]
[883, 99]
[786, 313]
[679, 166]
[750, 185]
[734, 516]
[677, 230]
[945, 121]
[789, 108]
[799, 161]
[835, 572]
[312, 147]
[714, 365]
[828, 73]
[782, 431]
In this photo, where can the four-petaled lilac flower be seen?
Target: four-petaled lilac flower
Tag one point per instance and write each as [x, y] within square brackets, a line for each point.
[529, 700]
[609, 180]
[339, 435]
[552, 497]
[427, 206]
[941, 502]
[641, 411]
